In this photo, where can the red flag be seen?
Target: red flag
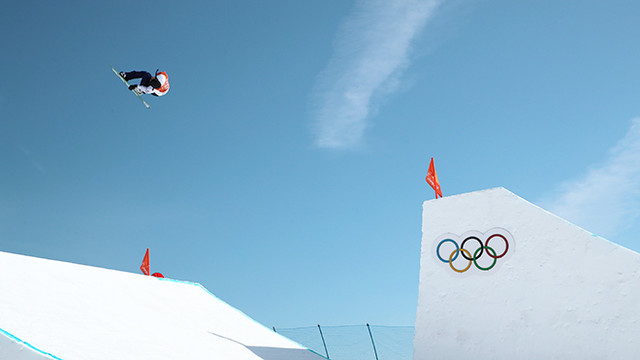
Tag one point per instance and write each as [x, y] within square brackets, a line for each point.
[432, 179]
[145, 264]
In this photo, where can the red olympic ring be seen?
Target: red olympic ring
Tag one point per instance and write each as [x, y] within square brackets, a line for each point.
[505, 249]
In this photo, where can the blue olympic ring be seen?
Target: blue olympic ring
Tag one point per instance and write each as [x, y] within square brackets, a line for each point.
[438, 250]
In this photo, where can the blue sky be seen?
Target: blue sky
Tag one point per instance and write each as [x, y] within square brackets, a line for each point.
[285, 168]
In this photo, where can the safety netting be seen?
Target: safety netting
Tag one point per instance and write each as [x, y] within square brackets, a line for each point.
[355, 342]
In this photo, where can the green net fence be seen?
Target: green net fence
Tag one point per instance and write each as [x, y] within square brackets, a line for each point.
[354, 342]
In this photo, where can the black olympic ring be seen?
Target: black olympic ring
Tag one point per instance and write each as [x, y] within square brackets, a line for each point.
[471, 238]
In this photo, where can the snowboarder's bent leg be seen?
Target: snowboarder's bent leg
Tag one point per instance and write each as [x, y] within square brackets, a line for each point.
[143, 75]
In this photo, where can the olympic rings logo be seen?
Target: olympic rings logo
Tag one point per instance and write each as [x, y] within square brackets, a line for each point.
[495, 244]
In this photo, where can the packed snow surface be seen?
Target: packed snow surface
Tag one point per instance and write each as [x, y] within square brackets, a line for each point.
[559, 292]
[56, 310]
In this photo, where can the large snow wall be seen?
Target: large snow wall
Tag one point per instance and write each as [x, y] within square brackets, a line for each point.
[555, 291]
[63, 311]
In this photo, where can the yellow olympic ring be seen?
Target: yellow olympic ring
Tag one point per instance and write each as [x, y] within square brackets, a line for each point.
[451, 262]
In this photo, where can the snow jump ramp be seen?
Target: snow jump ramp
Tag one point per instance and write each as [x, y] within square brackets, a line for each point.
[546, 289]
[56, 310]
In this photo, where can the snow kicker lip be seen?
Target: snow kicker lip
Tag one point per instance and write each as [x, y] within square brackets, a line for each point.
[495, 236]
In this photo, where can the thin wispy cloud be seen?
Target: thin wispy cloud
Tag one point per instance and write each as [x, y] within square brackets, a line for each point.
[32, 160]
[371, 52]
[606, 200]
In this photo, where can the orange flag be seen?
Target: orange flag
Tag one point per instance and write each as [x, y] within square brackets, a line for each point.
[145, 264]
[432, 179]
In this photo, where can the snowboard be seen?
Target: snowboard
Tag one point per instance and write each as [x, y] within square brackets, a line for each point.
[133, 91]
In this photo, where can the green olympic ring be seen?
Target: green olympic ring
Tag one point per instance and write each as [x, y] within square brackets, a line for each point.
[495, 259]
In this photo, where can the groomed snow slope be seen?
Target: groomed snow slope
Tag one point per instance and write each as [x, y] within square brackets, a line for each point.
[57, 310]
[558, 293]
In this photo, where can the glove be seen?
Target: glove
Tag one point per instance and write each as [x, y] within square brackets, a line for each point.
[124, 76]
[132, 87]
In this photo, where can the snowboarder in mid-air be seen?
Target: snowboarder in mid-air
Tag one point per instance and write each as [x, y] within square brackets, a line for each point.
[157, 85]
